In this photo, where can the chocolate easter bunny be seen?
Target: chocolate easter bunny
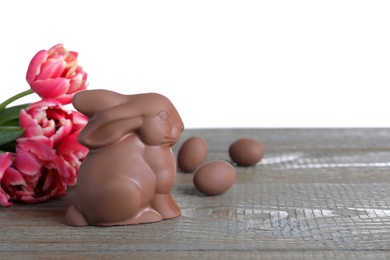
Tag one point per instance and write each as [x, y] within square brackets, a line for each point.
[130, 169]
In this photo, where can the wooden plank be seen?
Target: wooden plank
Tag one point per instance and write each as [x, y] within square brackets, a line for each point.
[317, 193]
[280, 254]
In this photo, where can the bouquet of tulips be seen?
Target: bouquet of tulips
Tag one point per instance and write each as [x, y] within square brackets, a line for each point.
[39, 152]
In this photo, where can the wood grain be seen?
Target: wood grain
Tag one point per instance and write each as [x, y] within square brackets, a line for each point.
[317, 193]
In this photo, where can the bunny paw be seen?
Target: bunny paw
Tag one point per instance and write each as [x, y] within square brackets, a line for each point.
[166, 206]
[74, 217]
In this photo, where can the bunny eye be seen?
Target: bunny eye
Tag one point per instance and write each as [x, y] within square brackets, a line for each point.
[163, 115]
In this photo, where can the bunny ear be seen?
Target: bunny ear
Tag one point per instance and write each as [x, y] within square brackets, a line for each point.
[108, 127]
[109, 133]
[90, 102]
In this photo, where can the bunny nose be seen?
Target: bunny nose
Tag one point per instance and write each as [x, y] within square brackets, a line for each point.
[176, 131]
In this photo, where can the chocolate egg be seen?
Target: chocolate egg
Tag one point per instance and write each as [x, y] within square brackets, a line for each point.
[246, 152]
[214, 177]
[192, 153]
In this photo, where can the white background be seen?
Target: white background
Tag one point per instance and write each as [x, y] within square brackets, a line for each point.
[222, 63]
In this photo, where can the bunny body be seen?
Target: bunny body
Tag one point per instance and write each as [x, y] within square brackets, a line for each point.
[129, 171]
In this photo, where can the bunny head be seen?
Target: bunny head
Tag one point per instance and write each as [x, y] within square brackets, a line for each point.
[113, 116]
[162, 124]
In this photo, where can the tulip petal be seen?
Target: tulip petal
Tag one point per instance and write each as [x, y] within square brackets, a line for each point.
[79, 120]
[62, 132]
[65, 99]
[57, 113]
[34, 67]
[49, 128]
[50, 88]
[33, 131]
[5, 162]
[40, 146]
[60, 165]
[48, 181]
[74, 54]
[44, 104]
[13, 177]
[71, 145]
[50, 69]
[25, 120]
[4, 198]
[24, 194]
[76, 83]
[27, 162]
[29, 124]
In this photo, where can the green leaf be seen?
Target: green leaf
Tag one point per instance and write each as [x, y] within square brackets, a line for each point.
[9, 133]
[14, 122]
[11, 113]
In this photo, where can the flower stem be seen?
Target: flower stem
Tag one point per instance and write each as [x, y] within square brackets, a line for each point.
[16, 97]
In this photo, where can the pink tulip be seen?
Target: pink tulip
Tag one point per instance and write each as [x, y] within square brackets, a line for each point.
[49, 118]
[48, 155]
[35, 173]
[55, 73]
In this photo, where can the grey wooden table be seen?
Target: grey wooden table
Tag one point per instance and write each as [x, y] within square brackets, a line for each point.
[317, 193]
